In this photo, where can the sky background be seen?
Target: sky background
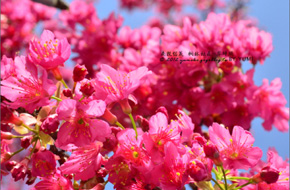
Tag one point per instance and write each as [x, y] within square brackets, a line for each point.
[272, 17]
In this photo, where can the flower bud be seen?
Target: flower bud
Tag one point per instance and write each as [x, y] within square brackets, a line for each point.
[26, 141]
[67, 92]
[115, 130]
[7, 116]
[30, 179]
[50, 124]
[79, 73]
[108, 116]
[197, 170]
[200, 139]
[226, 66]
[269, 174]
[212, 152]
[6, 135]
[162, 110]
[20, 170]
[102, 172]
[87, 89]
[125, 106]
[143, 123]
[10, 164]
[5, 157]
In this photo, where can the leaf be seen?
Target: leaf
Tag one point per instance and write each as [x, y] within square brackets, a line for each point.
[45, 139]
[20, 129]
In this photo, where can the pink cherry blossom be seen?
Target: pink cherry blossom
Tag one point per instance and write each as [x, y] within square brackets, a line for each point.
[54, 182]
[236, 150]
[118, 85]
[43, 163]
[84, 161]
[49, 52]
[80, 126]
[270, 103]
[26, 89]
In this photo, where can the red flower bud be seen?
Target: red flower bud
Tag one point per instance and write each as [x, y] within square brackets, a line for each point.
[212, 152]
[162, 110]
[143, 123]
[108, 116]
[5, 157]
[197, 170]
[6, 135]
[200, 139]
[125, 106]
[7, 116]
[30, 179]
[87, 89]
[102, 172]
[79, 73]
[26, 141]
[227, 66]
[20, 170]
[10, 164]
[269, 174]
[50, 124]
[67, 92]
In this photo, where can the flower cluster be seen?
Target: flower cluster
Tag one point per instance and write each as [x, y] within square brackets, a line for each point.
[131, 111]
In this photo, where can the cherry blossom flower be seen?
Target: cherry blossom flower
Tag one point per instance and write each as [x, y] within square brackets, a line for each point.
[49, 52]
[236, 150]
[118, 85]
[54, 182]
[43, 163]
[84, 161]
[26, 89]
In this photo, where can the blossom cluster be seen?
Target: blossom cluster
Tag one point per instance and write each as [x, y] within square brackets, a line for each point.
[124, 116]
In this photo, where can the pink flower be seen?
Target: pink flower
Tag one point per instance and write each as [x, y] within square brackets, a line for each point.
[131, 149]
[236, 150]
[7, 67]
[49, 52]
[84, 161]
[117, 85]
[172, 173]
[80, 126]
[185, 126]
[277, 162]
[160, 133]
[120, 171]
[54, 182]
[25, 89]
[269, 102]
[43, 163]
[259, 44]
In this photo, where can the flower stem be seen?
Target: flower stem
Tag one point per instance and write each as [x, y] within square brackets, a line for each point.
[64, 84]
[244, 185]
[134, 124]
[217, 183]
[238, 177]
[225, 178]
[56, 98]
[215, 172]
[120, 125]
[82, 98]
[32, 151]
[16, 152]
[14, 137]
[27, 127]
